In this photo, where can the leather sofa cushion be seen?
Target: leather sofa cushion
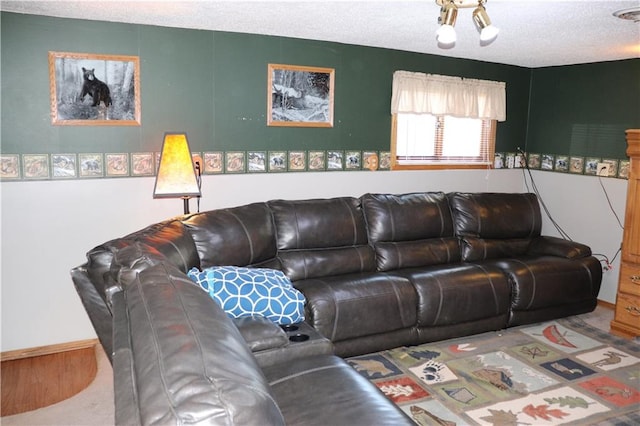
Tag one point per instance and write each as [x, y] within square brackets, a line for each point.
[410, 230]
[306, 264]
[541, 282]
[168, 240]
[320, 223]
[322, 237]
[355, 305]
[325, 390]
[494, 225]
[496, 215]
[478, 249]
[238, 236]
[453, 294]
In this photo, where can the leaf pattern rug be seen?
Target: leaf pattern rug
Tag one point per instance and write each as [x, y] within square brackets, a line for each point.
[557, 372]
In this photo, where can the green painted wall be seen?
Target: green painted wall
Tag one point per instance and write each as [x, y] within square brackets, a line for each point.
[584, 109]
[213, 86]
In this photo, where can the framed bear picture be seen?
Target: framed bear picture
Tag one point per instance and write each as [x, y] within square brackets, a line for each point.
[94, 90]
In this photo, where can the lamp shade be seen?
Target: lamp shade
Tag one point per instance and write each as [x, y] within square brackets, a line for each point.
[176, 176]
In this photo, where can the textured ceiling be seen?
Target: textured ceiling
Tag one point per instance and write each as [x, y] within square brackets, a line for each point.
[532, 33]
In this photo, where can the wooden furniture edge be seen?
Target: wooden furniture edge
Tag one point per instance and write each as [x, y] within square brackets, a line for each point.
[47, 350]
[38, 377]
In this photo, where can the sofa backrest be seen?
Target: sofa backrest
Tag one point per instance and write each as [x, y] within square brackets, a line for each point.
[238, 236]
[167, 240]
[179, 359]
[410, 230]
[321, 237]
[492, 225]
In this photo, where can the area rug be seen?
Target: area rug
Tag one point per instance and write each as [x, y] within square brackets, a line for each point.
[557, 372]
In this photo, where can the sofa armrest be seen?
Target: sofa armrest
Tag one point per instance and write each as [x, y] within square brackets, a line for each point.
[179, 359]
[260, 333]
[554, 246]
[97, 308]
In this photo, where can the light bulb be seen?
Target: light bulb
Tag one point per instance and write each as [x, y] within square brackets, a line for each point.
[488, 34]
[446, 35]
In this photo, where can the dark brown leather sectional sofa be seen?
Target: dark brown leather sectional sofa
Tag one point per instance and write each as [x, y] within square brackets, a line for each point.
[377, 272]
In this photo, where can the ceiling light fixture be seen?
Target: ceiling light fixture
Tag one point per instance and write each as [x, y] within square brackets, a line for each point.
[488, 32]
[632, 14]
[446, 34]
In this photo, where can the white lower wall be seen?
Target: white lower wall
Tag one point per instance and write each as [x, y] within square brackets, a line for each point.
[48, 226]
[578, 204]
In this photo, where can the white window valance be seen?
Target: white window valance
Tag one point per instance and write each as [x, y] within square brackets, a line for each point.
[420, 93]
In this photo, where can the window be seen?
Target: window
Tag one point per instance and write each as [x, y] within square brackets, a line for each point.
[429, 141]
[443, 121]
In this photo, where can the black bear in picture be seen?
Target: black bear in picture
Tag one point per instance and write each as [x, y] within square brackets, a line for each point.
[98, 90]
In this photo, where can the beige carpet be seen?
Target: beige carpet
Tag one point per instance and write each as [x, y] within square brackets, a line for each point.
[94, 405]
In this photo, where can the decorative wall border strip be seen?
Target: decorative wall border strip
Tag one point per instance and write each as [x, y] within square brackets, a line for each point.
[25, 167]
[563, 164]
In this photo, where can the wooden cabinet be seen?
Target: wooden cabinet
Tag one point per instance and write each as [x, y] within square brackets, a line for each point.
[627, 317]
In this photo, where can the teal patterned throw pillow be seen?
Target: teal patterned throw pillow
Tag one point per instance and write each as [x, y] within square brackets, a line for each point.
[245, 292]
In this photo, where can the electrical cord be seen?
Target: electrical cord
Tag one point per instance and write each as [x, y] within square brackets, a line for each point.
[540, 199]
[609, 202]
[607, 263]
[199, 181]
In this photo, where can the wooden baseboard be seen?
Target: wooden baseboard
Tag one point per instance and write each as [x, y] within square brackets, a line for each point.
[37, 377]
[607, 305]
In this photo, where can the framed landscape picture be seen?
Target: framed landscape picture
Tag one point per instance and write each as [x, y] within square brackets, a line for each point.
[299, 96]
[89, 90]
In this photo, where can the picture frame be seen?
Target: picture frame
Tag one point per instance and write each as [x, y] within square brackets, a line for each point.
[385, 160]
[591, 165]
[623, 171]
[533, 162]
[297, 161]
[370, 160]
[256, 161]
[213, 163]
[35, 166]
[352, 160]
[300, 96]
[94, 90]
[234, 162]
[576, 165]
[547, 161]
[317, 161]
[91, 165]
[117, 164]
[63, 166]
[335, 160]
[142, 164]
[9, 166]
[277, 161]
[561, 163]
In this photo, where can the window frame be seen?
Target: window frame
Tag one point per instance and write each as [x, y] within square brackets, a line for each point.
[396, 165]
